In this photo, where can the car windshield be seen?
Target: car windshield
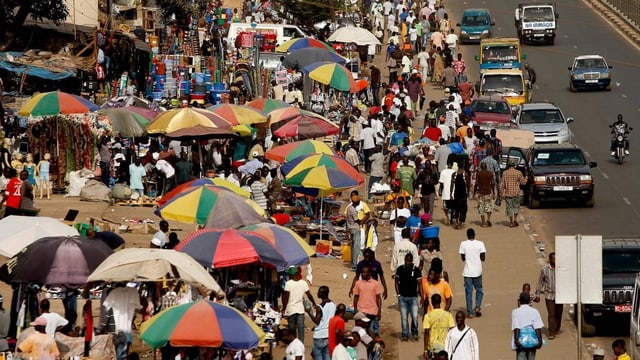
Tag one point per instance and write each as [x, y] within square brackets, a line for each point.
[502, 84]
[538, 14]
[499, 53]
[596, 63]
[478, 20]
[489, 106]
[555, 157]
[541, 117]
[621, 262]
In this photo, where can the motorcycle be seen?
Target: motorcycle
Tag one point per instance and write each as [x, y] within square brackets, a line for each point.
[619, 141]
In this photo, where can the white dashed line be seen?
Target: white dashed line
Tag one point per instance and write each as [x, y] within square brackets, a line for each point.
[626, 201]
[624, 95]
[604, 175]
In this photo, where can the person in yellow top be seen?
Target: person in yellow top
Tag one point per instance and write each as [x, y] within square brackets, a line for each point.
[437, 323]
[39, 345]
[620, 350]
[357, 213]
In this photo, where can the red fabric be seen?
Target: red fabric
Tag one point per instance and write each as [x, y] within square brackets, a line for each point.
[336, 324]
[13, 193]
[88, 321]
[432, 133]
[281, 219]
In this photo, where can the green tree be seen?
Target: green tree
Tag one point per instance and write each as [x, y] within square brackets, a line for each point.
[305, 13]
[181, 9]
[13, 13]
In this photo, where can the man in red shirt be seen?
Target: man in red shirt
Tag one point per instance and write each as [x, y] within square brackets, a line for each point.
[336, 327]
[12, 195]
[432, 132]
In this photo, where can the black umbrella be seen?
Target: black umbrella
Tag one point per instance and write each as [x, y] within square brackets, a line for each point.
[307, 56]
[56, 261]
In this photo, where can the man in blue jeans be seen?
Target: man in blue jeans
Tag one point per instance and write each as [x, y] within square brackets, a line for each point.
[320, 316]
[472, 252]
[408, 281]
[293, 301]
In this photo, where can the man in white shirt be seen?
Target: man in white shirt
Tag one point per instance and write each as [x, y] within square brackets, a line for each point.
[340, 352]
[368, 144]
[160, 237]
[452, 42]
[445, 189]
[321, 316]
[167, 173]
[402, 248]
[295, 348]
[522, 317]
[462, 341]
[423, 62]
[473, 254]
[398, 219]
[54, 320]
[124, 302]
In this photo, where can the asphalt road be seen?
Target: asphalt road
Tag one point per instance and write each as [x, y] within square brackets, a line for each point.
[582, 31]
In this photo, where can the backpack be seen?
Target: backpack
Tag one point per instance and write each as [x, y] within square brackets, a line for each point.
[460, 187]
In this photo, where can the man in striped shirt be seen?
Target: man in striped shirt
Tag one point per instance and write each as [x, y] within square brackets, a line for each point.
[547, 285]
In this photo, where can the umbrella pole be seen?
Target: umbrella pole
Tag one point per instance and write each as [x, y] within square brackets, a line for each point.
[201, 162]
[321, 216]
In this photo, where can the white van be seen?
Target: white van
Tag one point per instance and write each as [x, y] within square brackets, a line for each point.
[283, 32]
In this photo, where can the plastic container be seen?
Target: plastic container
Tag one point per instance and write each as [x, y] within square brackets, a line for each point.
[199, 78]
[199, 88]
[185, 87]
[159, 81]
[157, 95]
[208, 86]
[218, 86]
[82, 228]
[171, 91]
[207, 76]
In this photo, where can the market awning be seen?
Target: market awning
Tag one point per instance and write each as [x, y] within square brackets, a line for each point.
[6, 63]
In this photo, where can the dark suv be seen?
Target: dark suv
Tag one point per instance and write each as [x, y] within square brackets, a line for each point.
[620, 264]
[559, 171]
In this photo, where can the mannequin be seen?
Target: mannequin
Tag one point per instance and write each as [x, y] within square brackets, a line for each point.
[5, 153]
[17, 163]
[42, 171]
[30, 168]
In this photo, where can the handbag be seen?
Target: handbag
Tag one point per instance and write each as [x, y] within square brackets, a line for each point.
[528, 337]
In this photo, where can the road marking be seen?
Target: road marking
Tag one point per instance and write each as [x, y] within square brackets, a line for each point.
[604, 175]
[624, 95]
[626, 201]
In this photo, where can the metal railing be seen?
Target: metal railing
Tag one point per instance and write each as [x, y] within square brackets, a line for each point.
[627, 9]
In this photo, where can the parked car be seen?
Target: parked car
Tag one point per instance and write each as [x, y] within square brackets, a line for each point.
[475, 25]
[491, 112]
[546, 120]
[589, 72]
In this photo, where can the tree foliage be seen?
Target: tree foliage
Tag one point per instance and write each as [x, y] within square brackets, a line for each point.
[13, 13]
[182, 9]
[305, 13]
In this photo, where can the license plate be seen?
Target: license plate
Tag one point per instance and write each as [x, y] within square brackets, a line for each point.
[622, 308]
[591, 81]
[562, 188]
[474, 37]
[538, 35]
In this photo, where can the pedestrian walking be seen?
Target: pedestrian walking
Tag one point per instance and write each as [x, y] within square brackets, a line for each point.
[293, 301]
[473, 254]
[511, 192]
[369, 259]
[408, 278]
[459, 195]
[320, 317]
[367, 298]
[336, 327]
[486, 194]
[526, 324]
[547, 286]
[437, 324]
[401, 249]
[357, 214]
[462, 341]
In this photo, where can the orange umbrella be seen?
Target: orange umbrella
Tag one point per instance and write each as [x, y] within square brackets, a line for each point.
[361, 85]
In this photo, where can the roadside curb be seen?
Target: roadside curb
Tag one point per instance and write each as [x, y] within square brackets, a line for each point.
[538, 246]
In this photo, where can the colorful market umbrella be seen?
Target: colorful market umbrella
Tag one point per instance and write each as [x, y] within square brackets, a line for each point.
[295, 122]
[267, 105]
[203, 182]
[244, 130]
[293, 248]
[290, 151]
[125, 122]
[56, 103]
[189, 122]
[148, 114]
[56, 261]
[303, 43]
[196, 204]
[327, 173]
[303, 57]
[219, 248]
[238, 114]
[329, 73]
[202, 324]
[361, 84]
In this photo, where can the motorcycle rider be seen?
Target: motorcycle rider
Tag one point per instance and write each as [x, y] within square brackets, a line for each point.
[624, 128]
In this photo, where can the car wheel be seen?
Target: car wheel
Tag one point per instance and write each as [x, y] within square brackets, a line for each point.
[588, 330]
[590, 203]
[571, 87]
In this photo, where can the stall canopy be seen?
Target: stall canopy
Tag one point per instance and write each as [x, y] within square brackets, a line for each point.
[7, 62]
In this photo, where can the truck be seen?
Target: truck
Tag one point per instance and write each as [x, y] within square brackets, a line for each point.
[500, 53]
[536, 22]
[508, 83]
